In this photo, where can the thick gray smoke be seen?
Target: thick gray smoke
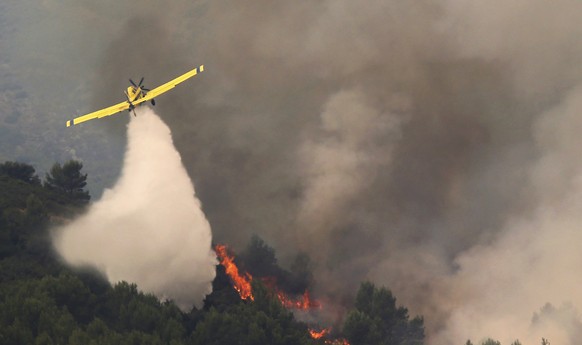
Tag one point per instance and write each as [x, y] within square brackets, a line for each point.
[430, 146]
[536, 256]
[149, 228]
[411, 143]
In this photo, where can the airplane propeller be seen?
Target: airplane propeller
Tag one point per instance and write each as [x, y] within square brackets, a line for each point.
[139, 84]
[144, 90]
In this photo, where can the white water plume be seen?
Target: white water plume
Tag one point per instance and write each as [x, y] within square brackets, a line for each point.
[149, 228]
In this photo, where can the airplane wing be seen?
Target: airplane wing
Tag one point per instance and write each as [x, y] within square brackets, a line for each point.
[114, 109]
[169, 85]
[125, 105]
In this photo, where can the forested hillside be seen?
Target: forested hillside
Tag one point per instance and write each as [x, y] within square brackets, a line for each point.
[42, 301]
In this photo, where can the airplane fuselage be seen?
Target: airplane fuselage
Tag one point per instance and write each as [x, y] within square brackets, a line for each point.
[134, 93]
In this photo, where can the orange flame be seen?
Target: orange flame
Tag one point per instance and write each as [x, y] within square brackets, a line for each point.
[304, 303]
[325, 332]
[317, 335]
[242, 283]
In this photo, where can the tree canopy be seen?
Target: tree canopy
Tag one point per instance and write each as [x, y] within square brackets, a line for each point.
[19, 171]
[44, 302]
[69, 180]
[377, 320]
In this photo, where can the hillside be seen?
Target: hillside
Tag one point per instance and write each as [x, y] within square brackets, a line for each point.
[44, 302]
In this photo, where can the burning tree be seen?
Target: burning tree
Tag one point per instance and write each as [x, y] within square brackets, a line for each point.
[319, 334]
[259, 259]
[241, 282]
[247, 288]
[376, 318]
[260, 321]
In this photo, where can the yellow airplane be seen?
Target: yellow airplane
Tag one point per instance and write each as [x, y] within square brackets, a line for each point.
[136, 95]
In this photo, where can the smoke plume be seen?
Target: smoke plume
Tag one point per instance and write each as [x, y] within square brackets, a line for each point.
[149, 228]
[536, 257]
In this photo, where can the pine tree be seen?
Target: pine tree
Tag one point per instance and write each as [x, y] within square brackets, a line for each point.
[20, 171]
[377, 319]
[69, 180]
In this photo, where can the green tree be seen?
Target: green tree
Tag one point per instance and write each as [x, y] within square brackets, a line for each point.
[78, 337]
[259, 259]
[36, 212]
[69, 180]
[12, 221]
[360, 328]
[264, 321]
[16, 333]
[377, 320]
[19, 171]
[300, 276]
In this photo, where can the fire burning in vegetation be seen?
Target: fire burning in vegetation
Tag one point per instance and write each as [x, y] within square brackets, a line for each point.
[324, 333]
[317, 335]
[304, 303]
[242, 284]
